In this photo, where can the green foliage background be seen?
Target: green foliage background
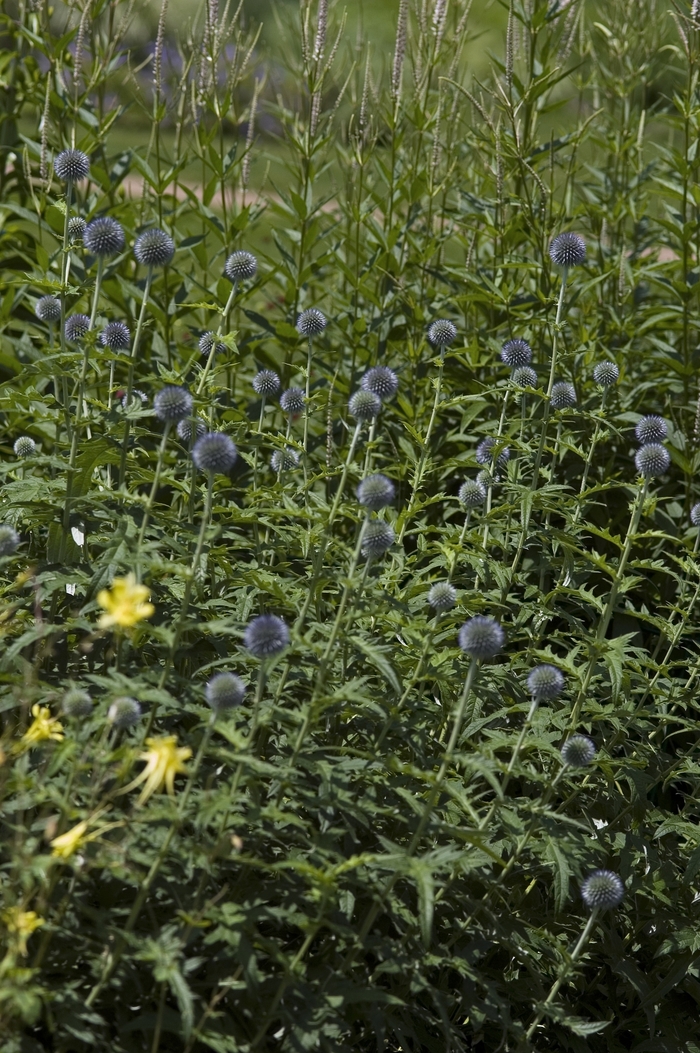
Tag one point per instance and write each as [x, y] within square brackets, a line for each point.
[362, 855]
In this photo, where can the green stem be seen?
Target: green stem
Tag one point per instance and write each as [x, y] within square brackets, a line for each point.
[420, 467]
[130, 381]
[152, 494]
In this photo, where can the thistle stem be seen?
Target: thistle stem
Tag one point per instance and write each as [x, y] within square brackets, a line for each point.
[130, 381]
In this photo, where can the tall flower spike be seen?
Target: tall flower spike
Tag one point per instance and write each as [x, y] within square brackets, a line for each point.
[567, 250]
[154, 248]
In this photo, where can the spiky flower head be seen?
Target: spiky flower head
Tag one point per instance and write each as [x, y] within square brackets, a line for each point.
[567, 250]
[9, 539]
[124, 712]
[603, 890]
[563, 395]
[214, 452]
[545, 682]
[293, 401]
[48, 309]
[364, 405]
[375, 492]
[486, 450]
[606, 374]
[578, 751]
[24, 446]
[695, 514]
[77, 703]
[187, 426]
[138, 398]
[653, 459]
[481, 637]
[71, 166]
[472, 493]
[172, 403]
[311, 323]
[442, 596]
[651, 429]
[516, 353]
[224, 691]
[524, 377]
[381, 381]
[76, 228]
[266, 383]
[442, 333]
[76, 327]
[266, 636]
[104, 237]
[284, 460]
[209, 341]
[377, 538]
[154, 248]
[240, 266]
[116, 336]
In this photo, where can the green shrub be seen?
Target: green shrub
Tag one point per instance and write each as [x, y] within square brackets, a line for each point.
[349, 614]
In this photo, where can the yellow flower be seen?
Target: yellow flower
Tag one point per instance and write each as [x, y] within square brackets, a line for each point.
[21, 924]
[164, 760]
[66, 844]
[126, 603]
[43, 727]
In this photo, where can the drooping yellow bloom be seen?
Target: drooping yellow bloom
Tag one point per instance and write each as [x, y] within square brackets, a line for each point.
[66, 844]
[125, 604]
[164, 760]
[21, 924]
[43, 727]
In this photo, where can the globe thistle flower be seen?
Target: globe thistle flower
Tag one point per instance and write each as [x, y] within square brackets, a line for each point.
[77, 703]
[545, 682]
[116, 336]
[293, 401]
[485, 453]
[76, 327]
[653, 459]
[312, 322]
[606, 374]
[138, 397]
[578, 751]
[124, 712]
[602, 890]
[104, 237]
[377, 538]
[154, 248]
[651, 429]
[76, 228]
[214, 452]
[442, 597]
[516, 353]
[695, 514]
[224, 691]
[240, 266]
[563, 395]
[284, 460]
[567, 250]
[485, 479]
[481, 637]
[524, 377]
[364, 405]
[472, 493]
[48, 309]
[266, 383]
[442, 333]
[24, 446]
[187, 427]
[209, 342]
[172, 403]
[375, 492]
[9, 539]
[71, 166]
[266, 636]
[381, 381]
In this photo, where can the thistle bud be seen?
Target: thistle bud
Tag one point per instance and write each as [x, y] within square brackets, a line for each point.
[266, 636]
[606, 374]
[545, 682]
[381, 381]
[481, 637]
[224, 691]
[378, 537]
[563, 395]
[375, 492]
[116, 336]
[442, 597]
[567, 250]
[124, 712]
[72, 166]
[154, 248]
[48, 309]
[650, 429]
[104, 237]
[603, 890]
[240, 266]
[516, 353]
[266, 383]
[311, 323]
[442, 333]
[364, 405]
[24, 447]
[172, 403]
[77, 326]
[214, 452]
[653, 459]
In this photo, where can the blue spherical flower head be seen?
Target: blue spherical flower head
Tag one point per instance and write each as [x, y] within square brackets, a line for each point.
[364, 405]
[172, 403]
[516, 353]
[485, 453]
[375, 492]
[563, 395]
[154, 248]
[9, 539]
[77, 326]
[76, 228]
[442, 333]
[24, 447]
[651, 429]
[48, 309]
[116, 336]
[186, 428]
[266, 636]
[524, 377]
[653, 459]
[103, 237]
[266, 383]
[240, 266]
[695, 515]
[209, 342]
[381, 381]
[602, 890]
[284, 460]
[606, 374]
[545, 682]
[442, 597]
[72, 166]
[377, 538]
[578, 751]
[567, 250]
[77, 703]
[224, 691]
[481, 637]
[472, 493]
[293, 401]
[124, 712]
[312, 322]
[214, 452]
